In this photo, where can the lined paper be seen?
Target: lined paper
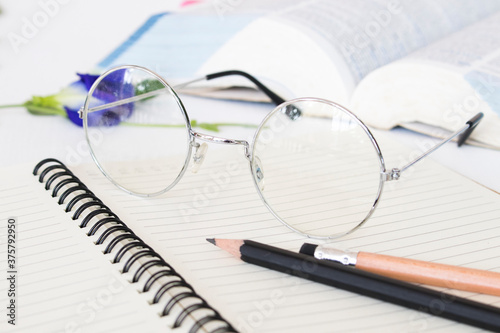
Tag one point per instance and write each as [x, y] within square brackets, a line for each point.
[430, 214]
[64, 282]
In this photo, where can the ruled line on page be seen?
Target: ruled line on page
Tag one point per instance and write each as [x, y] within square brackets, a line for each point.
[66, 265]
[434, 208]
[86, 269]
[57, 272]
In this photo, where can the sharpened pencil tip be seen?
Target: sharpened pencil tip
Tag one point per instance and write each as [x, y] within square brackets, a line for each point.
[211, 240]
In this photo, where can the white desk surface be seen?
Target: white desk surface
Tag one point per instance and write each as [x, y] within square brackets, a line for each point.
[77, 37]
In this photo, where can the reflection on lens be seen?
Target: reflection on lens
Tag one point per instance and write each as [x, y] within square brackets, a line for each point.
[322, 171]
[137, 130]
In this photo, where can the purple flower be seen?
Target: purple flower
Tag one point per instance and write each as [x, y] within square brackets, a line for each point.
[73, 96]
[114, 87]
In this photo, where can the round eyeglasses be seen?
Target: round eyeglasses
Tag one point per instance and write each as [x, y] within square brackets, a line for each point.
[315, 165]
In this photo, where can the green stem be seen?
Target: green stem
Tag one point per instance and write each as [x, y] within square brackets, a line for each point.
[149, 125]
[234, 124]
[45, 111]
[194, 124]
[11, 106]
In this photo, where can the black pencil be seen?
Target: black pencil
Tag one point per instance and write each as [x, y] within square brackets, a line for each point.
[383, 288]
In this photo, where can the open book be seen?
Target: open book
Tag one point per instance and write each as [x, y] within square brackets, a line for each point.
[424, 65]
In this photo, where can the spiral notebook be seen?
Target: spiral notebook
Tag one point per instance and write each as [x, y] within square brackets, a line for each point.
[66, 282]
[75, 266]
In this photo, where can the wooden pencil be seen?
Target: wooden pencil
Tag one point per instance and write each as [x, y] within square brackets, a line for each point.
[410, 270]
[365, 283]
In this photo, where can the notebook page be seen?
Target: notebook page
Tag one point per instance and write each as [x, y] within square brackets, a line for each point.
[430, 214]
[64, 282]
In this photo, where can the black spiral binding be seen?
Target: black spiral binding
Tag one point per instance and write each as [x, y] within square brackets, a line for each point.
[63, 183]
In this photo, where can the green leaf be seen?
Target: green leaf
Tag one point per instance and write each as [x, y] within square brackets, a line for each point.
[148, 86]
[47, 101]
[48, 105]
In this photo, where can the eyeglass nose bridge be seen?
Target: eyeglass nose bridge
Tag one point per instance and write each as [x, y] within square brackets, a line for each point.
[220, 140]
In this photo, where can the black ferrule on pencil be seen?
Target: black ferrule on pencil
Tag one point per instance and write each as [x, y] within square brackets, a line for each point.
[373, 285]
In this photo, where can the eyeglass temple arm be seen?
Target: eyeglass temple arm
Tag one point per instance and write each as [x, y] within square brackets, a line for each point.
[291, 111]
[463, 134]
[275, 98]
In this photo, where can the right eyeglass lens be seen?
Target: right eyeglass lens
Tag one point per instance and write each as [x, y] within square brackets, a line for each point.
[137, 130]
[322, 172]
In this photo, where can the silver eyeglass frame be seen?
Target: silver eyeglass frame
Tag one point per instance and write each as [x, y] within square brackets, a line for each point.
[358, 122]
[85, 110]
[249, 149]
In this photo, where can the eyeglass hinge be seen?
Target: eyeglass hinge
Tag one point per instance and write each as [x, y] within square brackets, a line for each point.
[394, 174]
[80, 113]
[247, 152]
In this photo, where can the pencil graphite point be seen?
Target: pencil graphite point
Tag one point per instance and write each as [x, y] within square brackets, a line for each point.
[230, 245]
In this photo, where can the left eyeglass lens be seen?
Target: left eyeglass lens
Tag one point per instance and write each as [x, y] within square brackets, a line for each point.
[137, 130]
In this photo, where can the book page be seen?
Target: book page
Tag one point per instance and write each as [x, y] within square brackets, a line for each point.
[57, 279]
[430, 214]
[299, 48]
[441, 85]
[349, 40]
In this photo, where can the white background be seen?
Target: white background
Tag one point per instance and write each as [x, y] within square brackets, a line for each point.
[79, 34]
